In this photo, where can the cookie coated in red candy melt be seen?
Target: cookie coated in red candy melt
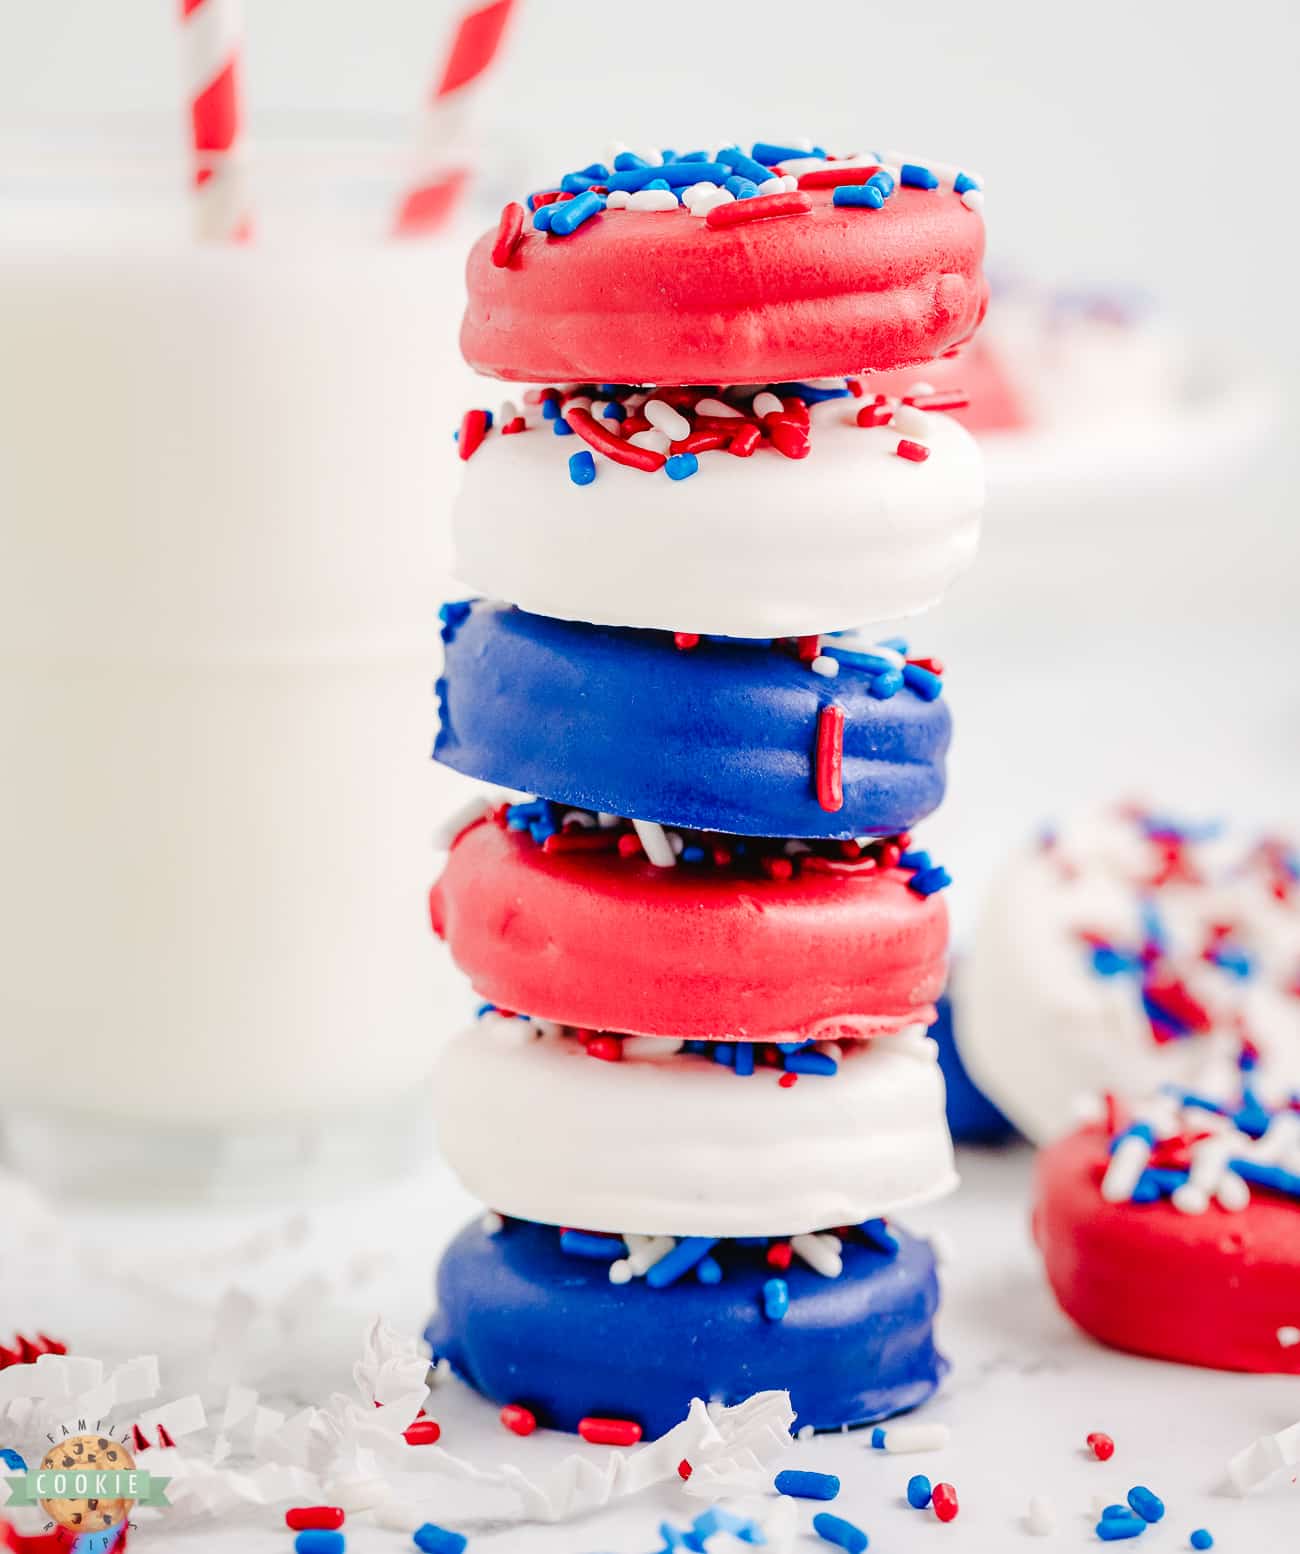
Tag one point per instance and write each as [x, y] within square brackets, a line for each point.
[605, 942]
[663, 297]
[1208, 1289]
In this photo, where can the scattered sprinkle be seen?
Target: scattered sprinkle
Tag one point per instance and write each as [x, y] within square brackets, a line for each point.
[844, 1535]
[945, 1502]
[582, 467]
[518, 1419]
[805, 1485]
[1148, 1505]
[919, 1491]
[1101, 1446]
[303, 1517]
[609, 1432]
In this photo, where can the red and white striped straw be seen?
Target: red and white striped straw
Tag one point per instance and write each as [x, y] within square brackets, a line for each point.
[214, 41]
[443, 172]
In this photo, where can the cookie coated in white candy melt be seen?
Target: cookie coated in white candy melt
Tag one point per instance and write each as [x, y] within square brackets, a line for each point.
[665, 1142]
[1044, 1032]
[764, 546]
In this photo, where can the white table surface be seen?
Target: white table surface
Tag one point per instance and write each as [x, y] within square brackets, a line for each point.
[1025, 1390]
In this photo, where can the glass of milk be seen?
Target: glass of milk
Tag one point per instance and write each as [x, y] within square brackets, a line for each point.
[223, 482]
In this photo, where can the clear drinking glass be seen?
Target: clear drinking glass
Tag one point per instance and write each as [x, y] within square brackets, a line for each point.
[223, 475]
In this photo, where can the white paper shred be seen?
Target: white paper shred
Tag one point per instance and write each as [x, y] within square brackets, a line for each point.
[1263, 1458]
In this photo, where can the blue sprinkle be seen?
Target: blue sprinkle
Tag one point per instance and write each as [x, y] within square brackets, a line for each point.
[844, 1535]
[695, 156]
[437, 1540]
[582, 467]
[746, 166]
[742, 188]
[570, 216]
[709, 1270]
[919, 1491]
[613, 412]
[899, 645]
[1109, 962]
[600, 1249]
[677, 176]
[864, 195]
[886, 685]
[691, 853]
[1270, 1176]
[12, 1459]
[724, 1053]
[597, 171]
[930, 881]
[806, 1486]
[1110, 1512]
[1201, 1539]
[1148, 1505]
[811, 1063]
[744, 1062]
[626, 161]
[542, 217]
[770, 153]
[550, 409]
[1135, 1130]
[924, 682]
[1111, 1529]
[808, 393]
[577, 183]
[561, 427]
[681, 466]
[916, 859]
[913, 176]
[319, 1540]
[879, 1237]
[884, 181]
[1232, 959]
[668, 154]
[656, 183]
[776, 1299]
[878, 1439]
[962, 182]
[872, 662]
[1146, 1190]
[683, 1257]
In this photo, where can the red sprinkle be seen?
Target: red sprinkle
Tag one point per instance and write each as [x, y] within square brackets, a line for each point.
[686, 640]
[833, 177]
[744, 441]
[944, 1500]
[807, 648]
[613, 447]
[610, 1432]
[740, 212]
[306, 1517]
[877, 413]
[596, 840]
[953, 399]
[551, 197]
[780, 1253]
[510, 231]
[519, 1419]
[703, 441]
[1101, 1446]
[777, 868]
[684, 1469]
[917, 452]
[934, 665]
[515, 424]
[629, 844]
[422, 1432]
[829, 760]
[788, 1081]
[473, 429]
[608, 1048]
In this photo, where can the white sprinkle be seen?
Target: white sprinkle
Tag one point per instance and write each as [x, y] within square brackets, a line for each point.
[823, 665]
[1125, 1169]
[820, 1252]
[973, 199]
[1041, 1516]
[492, 1224]
[766, 403]
[1288, 1337]
[920, 388]
[804, 1433]
[906, 1438]
[507, 412]
[803, 164]
[607, 822]
[695, 191]
[665, 419]
[598, 408]
[912, 422]
[620, 1271]
[794, 847]
[705, 202]
[773, 185]
[617, 199]
[1232, 1193]
[656, 441]
[716, 407]
[658, 849]
[652, 199]
[645, 1251]
[578, 817]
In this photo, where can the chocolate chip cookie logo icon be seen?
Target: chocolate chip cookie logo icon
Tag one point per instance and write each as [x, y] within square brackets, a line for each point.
[88, 1484]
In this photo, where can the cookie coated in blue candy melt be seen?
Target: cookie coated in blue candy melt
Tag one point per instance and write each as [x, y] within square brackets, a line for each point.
[720, 737]
[522, 1321]
[972, 1117]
